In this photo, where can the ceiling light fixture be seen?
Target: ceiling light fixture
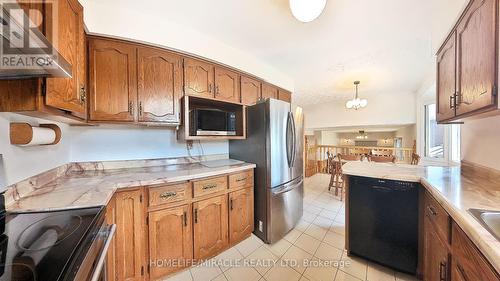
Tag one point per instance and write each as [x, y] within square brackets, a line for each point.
[356, 103]
[307, 10]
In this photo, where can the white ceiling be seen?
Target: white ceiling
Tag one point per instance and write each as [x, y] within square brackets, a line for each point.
[387, 44]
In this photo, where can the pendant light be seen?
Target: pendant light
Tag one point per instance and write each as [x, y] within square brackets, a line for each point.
[307, 10]
[356, 103]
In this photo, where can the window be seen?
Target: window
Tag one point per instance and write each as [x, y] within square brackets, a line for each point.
[434, 134]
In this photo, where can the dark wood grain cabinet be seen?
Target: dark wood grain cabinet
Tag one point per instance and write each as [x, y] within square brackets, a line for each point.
[159, 84]
[269, 91]
[448, 254]
[250, 90]
[198, 78]
[467, 65]
[227, 85]
[113, 81]
[60, 99]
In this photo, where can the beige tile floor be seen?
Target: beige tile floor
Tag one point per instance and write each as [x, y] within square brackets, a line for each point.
[303, 254]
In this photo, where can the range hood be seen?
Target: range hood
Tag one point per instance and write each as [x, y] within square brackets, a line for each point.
[26, 52]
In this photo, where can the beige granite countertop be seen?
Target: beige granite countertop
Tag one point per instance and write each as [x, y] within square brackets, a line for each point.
[455, 188]
[79, 188]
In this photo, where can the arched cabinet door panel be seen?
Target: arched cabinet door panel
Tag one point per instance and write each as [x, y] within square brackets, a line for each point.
[159, 85]
[198, 78]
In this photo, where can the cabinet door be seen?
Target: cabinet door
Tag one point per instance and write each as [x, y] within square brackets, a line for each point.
[113, 80]
[170, 239]
[269, 91]
[198, 78]
[250, 90]
[159, 85]
[240, 214]
[68, 93]
[436, 255]
[468, 263]
[446, 78]
[476, 57]
[111, 257]
[130, 236]
[227, 85]
[210, 226]
[284, 95]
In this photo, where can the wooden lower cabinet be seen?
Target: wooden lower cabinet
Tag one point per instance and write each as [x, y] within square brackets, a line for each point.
[240, 214]
[170, 240]
[130, 238]
[436, 254]
[210, 226]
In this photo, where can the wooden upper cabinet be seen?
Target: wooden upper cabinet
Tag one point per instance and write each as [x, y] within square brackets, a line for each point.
[446, 80]
[198, 78]
[250, 90]
[130, 239]
[284, 95]
[113, 80]
[436, 254]
[477, 35]
[227, 85]
[210, 226]
[159, 85]
[170, 238]
[240, 214]
[68, 93]
[269, 91]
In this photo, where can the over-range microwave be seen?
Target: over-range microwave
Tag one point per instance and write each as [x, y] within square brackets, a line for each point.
[212, 122]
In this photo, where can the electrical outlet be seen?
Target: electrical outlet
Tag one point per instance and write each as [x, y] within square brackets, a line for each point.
[189, 144]
[261, 226]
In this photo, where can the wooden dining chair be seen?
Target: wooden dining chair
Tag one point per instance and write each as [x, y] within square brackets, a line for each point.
[382, 159]
[415, 159]
[336, 179]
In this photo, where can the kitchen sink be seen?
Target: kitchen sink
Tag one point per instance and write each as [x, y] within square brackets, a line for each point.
[489, 219]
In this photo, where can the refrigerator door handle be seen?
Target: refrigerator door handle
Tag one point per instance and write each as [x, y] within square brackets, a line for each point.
[294, 141]
[289, 153]
[288, 187]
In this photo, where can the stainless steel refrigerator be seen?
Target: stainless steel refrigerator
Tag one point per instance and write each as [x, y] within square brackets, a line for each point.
[274, 142]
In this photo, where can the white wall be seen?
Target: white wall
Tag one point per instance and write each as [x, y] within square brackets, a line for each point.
[381, 110]
[122, 143]
[22, 162]
[408, 134]
[125, 21]
[480, 140]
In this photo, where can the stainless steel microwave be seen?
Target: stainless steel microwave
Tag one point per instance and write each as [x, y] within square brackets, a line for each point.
[212, 122]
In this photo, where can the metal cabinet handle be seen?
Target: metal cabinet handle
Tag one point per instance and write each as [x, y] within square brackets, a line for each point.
[210, 88]
[184, 218]
[462, 272]
[217, 90]
[453, 101]
[195, 215]
[209, 186]
[442, 271]
[167, 194]
[140, 108]
[83, 94]
[131, 107]
[242, 179]
[231, 204]
[431, 210]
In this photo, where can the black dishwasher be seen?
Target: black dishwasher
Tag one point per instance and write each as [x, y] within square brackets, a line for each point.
[383, 222]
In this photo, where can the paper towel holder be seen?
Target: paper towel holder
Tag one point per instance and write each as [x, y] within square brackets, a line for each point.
[22, 133]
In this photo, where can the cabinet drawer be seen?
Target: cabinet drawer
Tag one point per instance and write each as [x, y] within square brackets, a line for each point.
[468, 263]
[438, 216]
[241, 179]
[208, 186]
[169, 193]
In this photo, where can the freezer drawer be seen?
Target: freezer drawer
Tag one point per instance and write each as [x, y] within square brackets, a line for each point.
[285, 208]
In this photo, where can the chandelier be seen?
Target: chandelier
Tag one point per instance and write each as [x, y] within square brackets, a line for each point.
[356, 103]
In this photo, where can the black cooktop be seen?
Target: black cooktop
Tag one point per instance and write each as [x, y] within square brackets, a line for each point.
[46, 246]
